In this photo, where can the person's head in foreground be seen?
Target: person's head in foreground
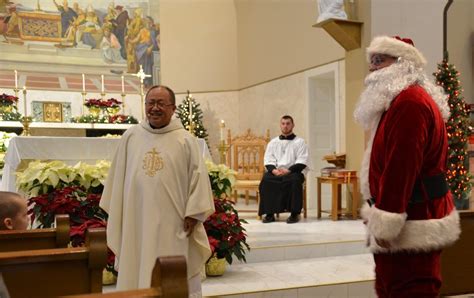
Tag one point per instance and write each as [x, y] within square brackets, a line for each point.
[13, 211]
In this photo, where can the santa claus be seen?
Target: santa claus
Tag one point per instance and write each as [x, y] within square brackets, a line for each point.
[410, 214]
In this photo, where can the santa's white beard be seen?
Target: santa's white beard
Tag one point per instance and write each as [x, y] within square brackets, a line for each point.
[383, 85]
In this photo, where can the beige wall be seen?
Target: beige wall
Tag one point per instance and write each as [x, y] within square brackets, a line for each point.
[422, 20]
[199, 44]
[460, 30]
[356, 70]
[276, 38]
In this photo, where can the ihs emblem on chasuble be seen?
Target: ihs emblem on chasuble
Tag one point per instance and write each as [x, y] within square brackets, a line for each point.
[152, 162]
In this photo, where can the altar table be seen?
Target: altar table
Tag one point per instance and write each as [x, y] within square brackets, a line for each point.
[70, 150]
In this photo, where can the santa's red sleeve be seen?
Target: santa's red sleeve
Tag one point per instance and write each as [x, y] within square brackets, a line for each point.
[400, 142]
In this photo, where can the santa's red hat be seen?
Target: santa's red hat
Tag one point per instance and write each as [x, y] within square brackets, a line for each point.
[396, 47]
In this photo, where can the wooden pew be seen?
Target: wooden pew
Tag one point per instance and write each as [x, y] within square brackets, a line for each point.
[37, 238]
[168, 280]
[457, 261]
[55, 272]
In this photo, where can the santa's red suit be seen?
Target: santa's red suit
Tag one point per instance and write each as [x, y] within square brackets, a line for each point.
[411, 216]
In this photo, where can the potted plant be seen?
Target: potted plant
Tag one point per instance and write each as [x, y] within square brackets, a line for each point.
[226, 235]
[8, 109]
[5, 138]
[112, 106]
[94, 106]
[56, 188]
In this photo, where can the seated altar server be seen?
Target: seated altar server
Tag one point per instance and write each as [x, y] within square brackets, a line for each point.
[281, 188]
[157, 195]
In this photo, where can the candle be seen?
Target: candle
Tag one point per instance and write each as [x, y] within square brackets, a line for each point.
[123, 86]
[83, 83]
[222, 130]
[24, 100]
[190, 108]
[16, 79]
[102, 79]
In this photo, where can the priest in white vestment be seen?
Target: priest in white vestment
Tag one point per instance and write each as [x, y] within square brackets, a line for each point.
[157, 196]
[281, 188]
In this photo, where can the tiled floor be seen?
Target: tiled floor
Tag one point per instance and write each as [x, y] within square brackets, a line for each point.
[309, 230]
[303, 275]
[313, 258]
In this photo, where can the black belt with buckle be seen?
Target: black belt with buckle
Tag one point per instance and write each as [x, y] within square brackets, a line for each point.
[435, 186]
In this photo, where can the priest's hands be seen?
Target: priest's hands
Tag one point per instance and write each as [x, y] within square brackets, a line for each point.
[280, 172]
[189, 224]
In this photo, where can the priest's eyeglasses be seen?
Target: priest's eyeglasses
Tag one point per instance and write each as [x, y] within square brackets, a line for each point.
[158, 104]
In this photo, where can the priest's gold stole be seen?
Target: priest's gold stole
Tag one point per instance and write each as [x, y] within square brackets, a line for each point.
[52, 112]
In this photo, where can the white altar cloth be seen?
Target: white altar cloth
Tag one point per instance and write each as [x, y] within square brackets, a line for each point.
[67, 149]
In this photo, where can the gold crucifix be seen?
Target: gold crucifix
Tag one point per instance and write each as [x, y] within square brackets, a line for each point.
[142, 75]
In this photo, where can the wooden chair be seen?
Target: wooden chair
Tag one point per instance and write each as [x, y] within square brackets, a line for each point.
[457, 261]
[55, 272]
[245, 156]
[38, 238]
[168, 280]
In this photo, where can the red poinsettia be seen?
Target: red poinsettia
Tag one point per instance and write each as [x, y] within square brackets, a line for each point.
[103, 104]
[8, 100]
[82, 207]
[225, 232]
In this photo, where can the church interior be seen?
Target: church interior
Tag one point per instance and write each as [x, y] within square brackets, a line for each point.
[74, 76]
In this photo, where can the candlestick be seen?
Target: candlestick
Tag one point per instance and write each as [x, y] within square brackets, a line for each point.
[191, 122]
[123, 85]
[123, 102]
[84, 93]
[16, 79]
[24, 101]
[102, 79]
[222, 148]
[25, 120]
[222, 125]
[83, 83]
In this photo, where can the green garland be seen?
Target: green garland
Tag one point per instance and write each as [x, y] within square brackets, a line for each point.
[107, 119]
[11, 116]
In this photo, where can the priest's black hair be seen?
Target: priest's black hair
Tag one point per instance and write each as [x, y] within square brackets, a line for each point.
[288, 117]
[170, 92]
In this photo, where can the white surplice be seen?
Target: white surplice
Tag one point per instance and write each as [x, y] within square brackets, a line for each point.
[285, 153]
[157, 178]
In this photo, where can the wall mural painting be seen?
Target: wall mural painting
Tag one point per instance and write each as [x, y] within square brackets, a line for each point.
[120, 33]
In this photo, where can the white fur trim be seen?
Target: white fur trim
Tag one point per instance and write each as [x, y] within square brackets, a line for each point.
[383, 224]
[422, 235]
[396, 48]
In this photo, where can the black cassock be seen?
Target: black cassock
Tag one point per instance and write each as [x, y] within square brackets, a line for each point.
[280, 194]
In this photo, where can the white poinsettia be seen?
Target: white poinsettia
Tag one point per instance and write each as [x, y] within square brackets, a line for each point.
[40, 177]
[222, 178]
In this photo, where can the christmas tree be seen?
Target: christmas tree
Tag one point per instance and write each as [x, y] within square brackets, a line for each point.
[458, 134]
[187, 107]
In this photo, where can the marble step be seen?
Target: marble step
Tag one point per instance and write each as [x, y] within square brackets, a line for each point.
[305, 251]
[310, 238]
[340, 276]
